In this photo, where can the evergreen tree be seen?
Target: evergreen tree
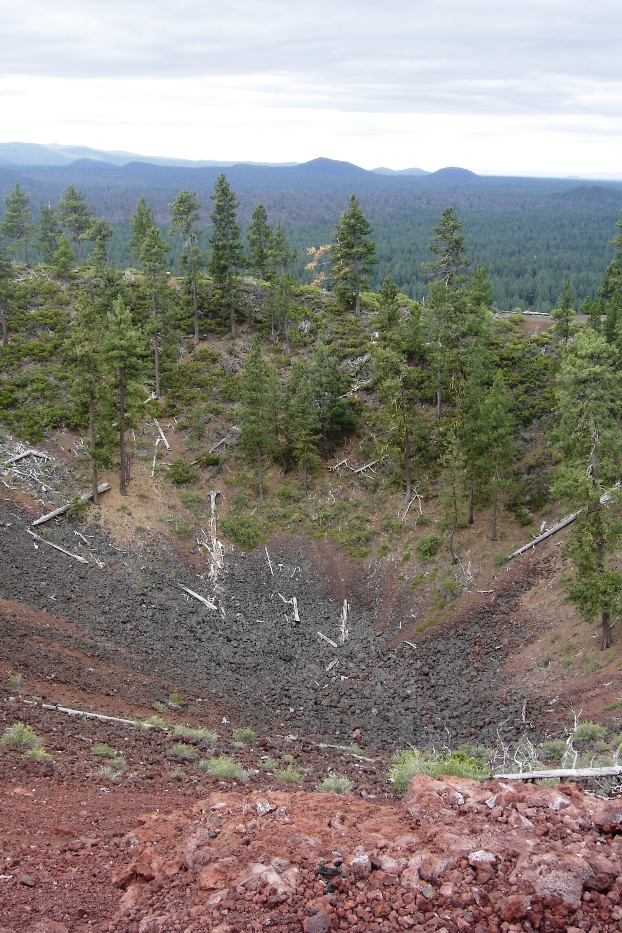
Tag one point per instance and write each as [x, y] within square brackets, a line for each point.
[227, 251]
[303, 428]
[185, 214]
[74, 215]
[49, 233]
[497, 439]
[141, 222]
[258, 410]
[454, 493]
[280, 258]
[98, 232]
[91, 387]
[352, 255]
[479, 290]
[389, 306]
[448, 246]
[589, 439]
[64, 257]
[564, 313]
[397, 385]
[123, 358]
[337, 417]
[259, 238]
[7, 274]
[17, 223]
[153, 261]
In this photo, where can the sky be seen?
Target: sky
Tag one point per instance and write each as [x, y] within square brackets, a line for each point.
[495, 86]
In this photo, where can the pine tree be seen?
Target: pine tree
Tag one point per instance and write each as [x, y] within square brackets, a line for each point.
[185, 214]
[589, 439]
[454, 493]
[98, 233]
[564, 313]
[74, 215]
[280, 258]
[448, 245]
[352, 255]
[153, 261]
[7, 274]
[227, 252]
[17, 223]
[337, 417]
[303, 428]
[64, 257]
[389, 306]
[91, 387]
[49, 233]
[123, 357]
[141, 221]
[258, 410]
[258, 239]
[497, 439]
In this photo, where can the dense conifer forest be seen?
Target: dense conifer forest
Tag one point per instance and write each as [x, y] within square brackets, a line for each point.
[445, 399]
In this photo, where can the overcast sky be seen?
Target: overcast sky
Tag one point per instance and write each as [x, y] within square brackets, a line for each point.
[496, 86]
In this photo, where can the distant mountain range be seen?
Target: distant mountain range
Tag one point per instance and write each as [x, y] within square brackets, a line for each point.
[52, 154]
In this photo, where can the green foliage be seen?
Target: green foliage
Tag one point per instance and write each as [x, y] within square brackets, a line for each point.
[38, 755]
[17, 223]
[588, 732]
[74, 215]
[183, 751]
[435, 764]
[227, 256]
[335, 784]
[101, 750]
[554, 749]
[258, 411]
[352, 255]
[196, 734]
[289, 775]
[244, 736]
[224, 768]
[428, 545]
[244, 529]
[182, 473]
[20, 735]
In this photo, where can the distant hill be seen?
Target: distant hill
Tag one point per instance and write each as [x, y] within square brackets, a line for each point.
[399, 171]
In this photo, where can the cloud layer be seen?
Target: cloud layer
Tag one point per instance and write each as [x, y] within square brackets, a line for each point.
[275, 63]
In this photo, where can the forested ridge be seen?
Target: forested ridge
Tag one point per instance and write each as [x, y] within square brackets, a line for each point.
[531, 235]
[321, 408]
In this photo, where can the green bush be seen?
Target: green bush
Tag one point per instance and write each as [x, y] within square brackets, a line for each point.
[589, 732]
[289, 775]
[182, 473]
[20, 736]
[428, 545]
[101, 750]
[205, 736]
[335, 784]
[244, 736]
[554, 749]
[183, 751]
[223, 767]
[245, 530]
[457, 764]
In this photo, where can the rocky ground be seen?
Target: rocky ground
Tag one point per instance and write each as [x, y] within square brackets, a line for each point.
[125, 831]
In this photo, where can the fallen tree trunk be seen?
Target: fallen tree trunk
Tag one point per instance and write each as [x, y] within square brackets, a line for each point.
[65, 508]
[57, 547]
[562, 774]
[28, 453]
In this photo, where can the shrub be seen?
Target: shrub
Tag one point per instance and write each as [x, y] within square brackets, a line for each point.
[103, 751]
[183, 751]
[110, 773]
[245, 530]
[244, 736]
[176, 699]
[156, 721]
[554, 749]
[206, 736]
[15, 681]
[182, 473]
[223, 767]
[289, 775]
[39, 755]
[335, 784]
[589, 732]
[428, 545]
[20, 736]
[456, 764]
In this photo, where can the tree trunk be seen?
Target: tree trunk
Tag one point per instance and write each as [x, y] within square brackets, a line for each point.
[606, 627]
[439, 392]
[26, 253]
[304, 475]
[407, 477]
[156, 355]
[122, 469]
[232, 317]
[195, 302]
[470, 519]
[94, 481]
[452, 553]
[494, 516]
[79, 249]
[259, 474]
[5, 339]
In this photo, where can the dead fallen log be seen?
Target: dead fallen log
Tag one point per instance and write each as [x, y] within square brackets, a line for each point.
[164, 440]
[101, 716]
[328, 640]
[201, 599]
[27, 453]
[568, 774]
[65, 508]
[57, 547]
